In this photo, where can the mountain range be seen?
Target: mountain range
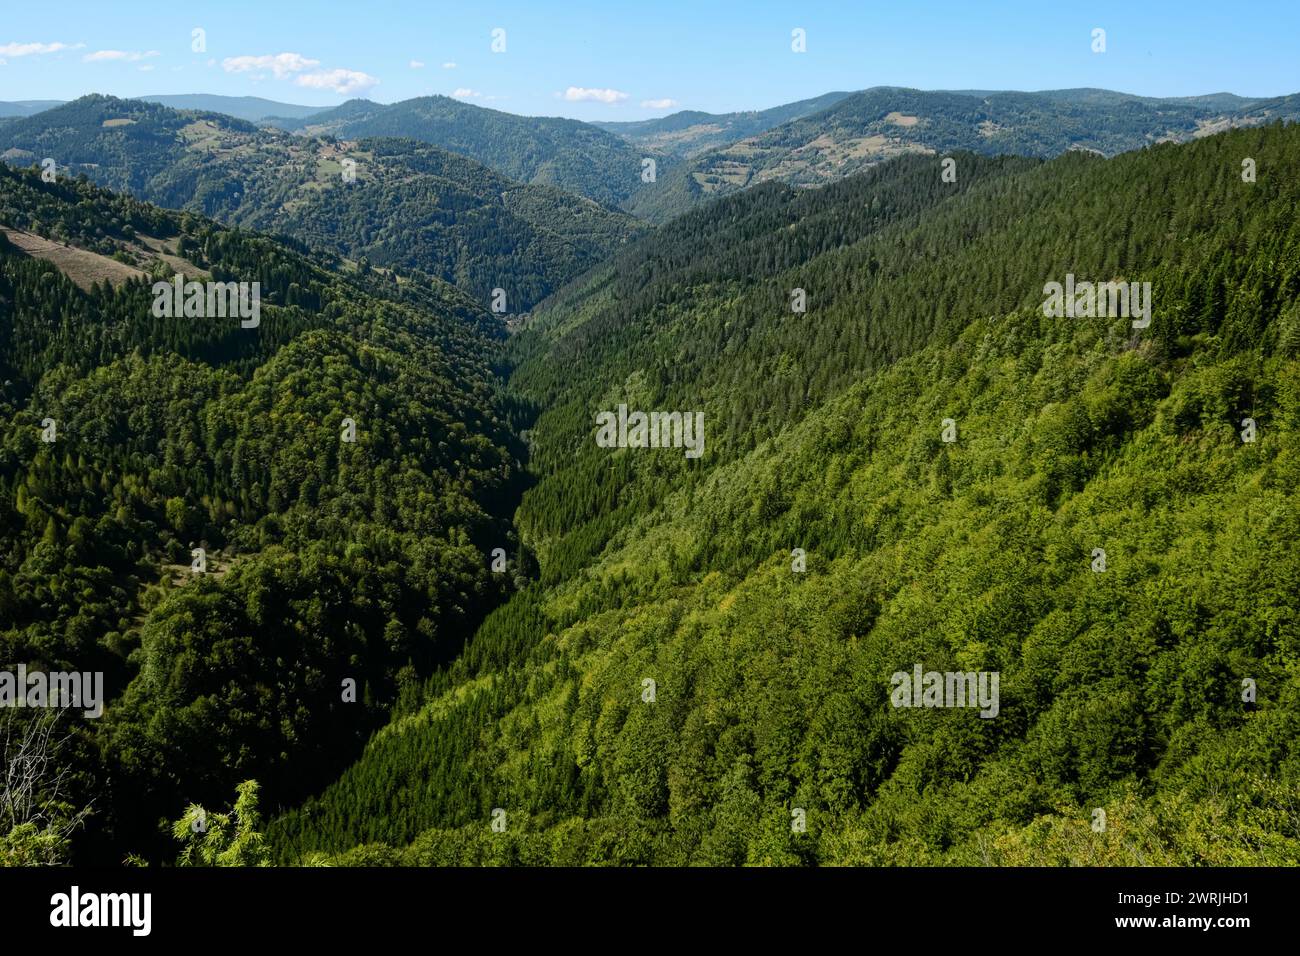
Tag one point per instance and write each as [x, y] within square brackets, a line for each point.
[709, 644]
[407, 204]
[26, 107]
[693, 157]
[541, 150]
[688, 132]
[432, 600]
[865, 128]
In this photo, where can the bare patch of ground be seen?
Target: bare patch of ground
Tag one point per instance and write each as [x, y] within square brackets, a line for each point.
[81, 266]
[165, 250]
[1208, 127]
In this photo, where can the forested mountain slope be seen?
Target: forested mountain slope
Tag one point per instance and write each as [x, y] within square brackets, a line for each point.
[542, 150]
[407, 204]
[688, 132]
[127, 441]
[1122, 685]
[876, 124]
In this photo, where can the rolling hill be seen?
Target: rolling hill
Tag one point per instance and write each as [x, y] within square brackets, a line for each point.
[876, 124]
[907, 463]
[27, 107]
[542, 150]
[409, 205]
[688, 132]
[251, 108]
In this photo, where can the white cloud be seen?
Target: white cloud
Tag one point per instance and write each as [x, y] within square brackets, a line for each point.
[664, 104]
[465, 93]
[28, 49]
[285, 65]
[146, 68]
[449, 65]
[340, 81]
[129, 56]
[417, 64]
[281, 64]
[582, 94]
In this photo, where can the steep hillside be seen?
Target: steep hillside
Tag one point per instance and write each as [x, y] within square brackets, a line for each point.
[709, 651]
[345, 463]
[408, 204]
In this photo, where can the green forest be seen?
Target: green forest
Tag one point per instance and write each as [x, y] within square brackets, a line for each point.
[329, 560]
[1122, 691]
[439, 625]
[540, 150]
[408, 205]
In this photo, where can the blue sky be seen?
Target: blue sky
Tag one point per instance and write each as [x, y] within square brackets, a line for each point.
[623, 59]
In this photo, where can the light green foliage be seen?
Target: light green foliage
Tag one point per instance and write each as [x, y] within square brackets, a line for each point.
[223, 839]
[1119, 690]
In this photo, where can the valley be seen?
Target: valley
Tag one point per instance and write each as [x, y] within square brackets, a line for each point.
[480, 591]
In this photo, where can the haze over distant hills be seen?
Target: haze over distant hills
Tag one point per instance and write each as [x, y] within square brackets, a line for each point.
[26, 107]
[250, 108]
[241, 107]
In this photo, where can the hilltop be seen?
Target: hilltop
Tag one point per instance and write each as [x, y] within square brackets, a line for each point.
[408, 204]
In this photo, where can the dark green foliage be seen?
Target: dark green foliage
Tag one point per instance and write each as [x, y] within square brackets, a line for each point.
[328, 560]
[417, 207]
[1119, 690]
